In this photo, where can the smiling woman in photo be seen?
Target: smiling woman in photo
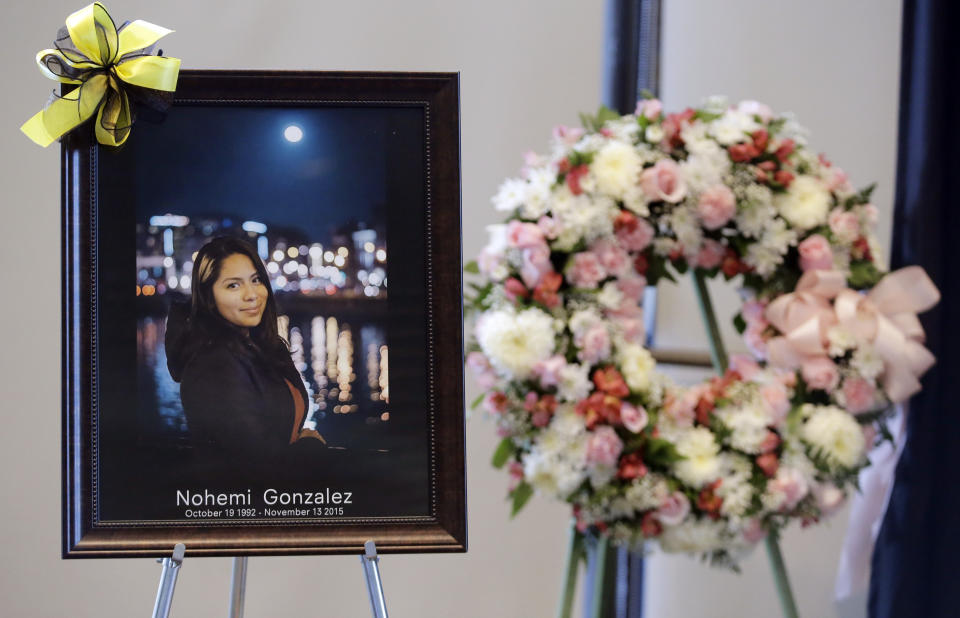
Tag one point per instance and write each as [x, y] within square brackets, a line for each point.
[240, 389]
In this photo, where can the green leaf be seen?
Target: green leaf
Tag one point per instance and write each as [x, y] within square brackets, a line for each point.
[739, 323]
[605, 114]
[476, 402]
[864, 274]
[661, 452]
[472, 267]
[504, 450]
[520, 496]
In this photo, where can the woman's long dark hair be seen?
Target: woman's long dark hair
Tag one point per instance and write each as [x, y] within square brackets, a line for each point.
[189, 332]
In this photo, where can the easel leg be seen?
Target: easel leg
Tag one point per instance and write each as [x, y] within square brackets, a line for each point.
[371, 570]
[238, 586]
[168, 579]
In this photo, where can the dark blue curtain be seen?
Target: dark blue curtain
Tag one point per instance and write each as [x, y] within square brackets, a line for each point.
[915, 562]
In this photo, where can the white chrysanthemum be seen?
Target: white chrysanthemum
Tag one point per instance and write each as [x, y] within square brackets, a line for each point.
[552, 473]
[574, 382]
[696, 139]
[581, 217]
[736, 490]
[583, 320]
[685, 224]
[610, 296]
[834, 433]
[791, 129]
[539, 183]
[694, 536]
[839, 340]
[591, 142]
[624, 129]
[702, 171]
[512, 193]
[617, 168]
[636, 365]
[635, 200]
[748, 424]
[755, 213]
[654, 134]
[700, 464]
[647, 493]
[733, 127]
[778, 237]
[567, 422]
[805, 204]
[867, 362]
[763, 260]
[515, 342]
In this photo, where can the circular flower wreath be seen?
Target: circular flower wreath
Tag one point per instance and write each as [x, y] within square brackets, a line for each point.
[559, 337]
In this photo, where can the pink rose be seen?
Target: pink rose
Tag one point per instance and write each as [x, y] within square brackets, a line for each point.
[585, 270]
[634, 417]
[549, 370]
[844, 225]
[829, 498]
[536, 263]
[859, 395]
[567, 135]
[820, 373]
[604, 447]
[682, 410]
[755, 340]
[483, 372]
[635, 237]
[613, 259]
[744, 365]
[774, 395]
[649, 108]
[791, 485]
[752, 311]
[754, 531]
[632, 287]
[717, 205]
[549, 226]
[674, 509]
[755, 108]
[595, 345]
[662, 182]
[815, 253]
[521, 234]
[870, 213]
[837, 180]
[711, 254]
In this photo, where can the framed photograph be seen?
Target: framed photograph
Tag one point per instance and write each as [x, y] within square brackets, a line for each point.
[262, 333]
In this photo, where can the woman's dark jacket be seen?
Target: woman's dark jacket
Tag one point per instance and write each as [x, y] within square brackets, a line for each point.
[233, 400]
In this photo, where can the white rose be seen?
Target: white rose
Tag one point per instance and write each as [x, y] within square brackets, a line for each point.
[806, 203]
[654, 134]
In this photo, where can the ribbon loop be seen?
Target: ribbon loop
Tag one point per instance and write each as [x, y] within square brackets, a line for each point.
[93, 53]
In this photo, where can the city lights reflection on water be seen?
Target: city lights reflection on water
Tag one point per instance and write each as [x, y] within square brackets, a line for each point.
[339, 352]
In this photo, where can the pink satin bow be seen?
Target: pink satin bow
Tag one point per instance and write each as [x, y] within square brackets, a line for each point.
[885, 317]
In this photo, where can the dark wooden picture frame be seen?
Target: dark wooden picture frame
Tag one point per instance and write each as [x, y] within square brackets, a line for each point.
[87, 282]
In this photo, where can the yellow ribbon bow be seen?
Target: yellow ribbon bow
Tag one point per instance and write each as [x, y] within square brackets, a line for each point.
[100, 58]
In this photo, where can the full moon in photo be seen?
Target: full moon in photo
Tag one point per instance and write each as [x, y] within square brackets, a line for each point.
[293, 134]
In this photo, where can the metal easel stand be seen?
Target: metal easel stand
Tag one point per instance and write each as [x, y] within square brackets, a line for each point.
[238, 583]
[168, 579]
[371, 570]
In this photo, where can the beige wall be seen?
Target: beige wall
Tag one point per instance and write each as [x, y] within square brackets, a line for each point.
[525, 67]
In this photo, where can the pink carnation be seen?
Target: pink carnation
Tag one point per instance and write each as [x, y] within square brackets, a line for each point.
[674, 509]
[844, 225]
[483, 372]
[636, 237]
[717, 205]
[613, 259]
[744, 365]
[711, 254]
[774, 395]
[682, 410]
[536, 263]
[595, 344]
[631, 329]
[791, 485]
[649, 108]
[754, 531]
[522, 235]
[549, 370]
[632, 286]
[820, 373]
[549, 226]
[567, 135]
[585, 270]
[859, 395]
[815, 253]
[634, 417]
[604, 447]
[663, 182]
